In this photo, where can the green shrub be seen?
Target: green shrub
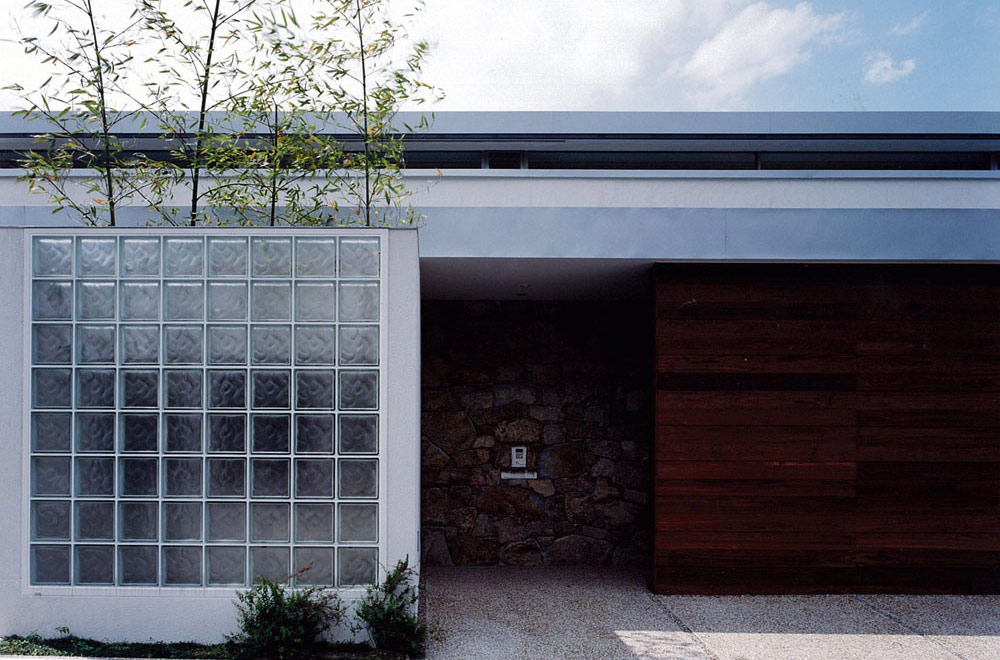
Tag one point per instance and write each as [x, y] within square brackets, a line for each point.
[279, 623]
[387, 613]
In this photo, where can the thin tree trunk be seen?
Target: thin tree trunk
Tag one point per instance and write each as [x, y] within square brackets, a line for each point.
[105, 126]
[364, 114]
[202, 116]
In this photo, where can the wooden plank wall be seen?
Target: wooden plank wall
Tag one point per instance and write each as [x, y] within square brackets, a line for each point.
[827, 428]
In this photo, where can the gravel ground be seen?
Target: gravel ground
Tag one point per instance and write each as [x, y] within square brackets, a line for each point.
[582, 613]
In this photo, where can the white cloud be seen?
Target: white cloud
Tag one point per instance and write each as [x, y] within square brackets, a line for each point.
[881, 69]
[759, 43]
[907, 28]
[561, 54]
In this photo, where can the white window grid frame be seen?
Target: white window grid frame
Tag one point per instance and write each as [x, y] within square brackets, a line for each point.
[224, 591]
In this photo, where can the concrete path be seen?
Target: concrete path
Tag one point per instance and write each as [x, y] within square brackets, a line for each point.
[581, 613]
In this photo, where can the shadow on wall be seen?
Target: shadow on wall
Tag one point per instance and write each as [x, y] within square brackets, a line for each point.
[570, 382]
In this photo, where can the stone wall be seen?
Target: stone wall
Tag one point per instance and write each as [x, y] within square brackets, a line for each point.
[570, 381]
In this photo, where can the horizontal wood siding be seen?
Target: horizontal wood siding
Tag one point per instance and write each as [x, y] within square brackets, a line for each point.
[827, 428]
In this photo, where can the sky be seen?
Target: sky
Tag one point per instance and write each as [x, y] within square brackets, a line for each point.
[693, 55]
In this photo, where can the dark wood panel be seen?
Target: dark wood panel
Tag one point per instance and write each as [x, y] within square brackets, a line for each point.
[924, 444]
[756, 557]
[684, 488]
[767, 363]
[928, 373]
[956, 579]
[755, 337]
[756, 443]
[926, 557]
[728, 470]
[930, 541]
[815, 414]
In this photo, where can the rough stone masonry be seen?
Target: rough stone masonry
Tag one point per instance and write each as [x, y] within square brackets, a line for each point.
[570, 381]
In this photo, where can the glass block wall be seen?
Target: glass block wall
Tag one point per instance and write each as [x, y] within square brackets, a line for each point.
[204, 408]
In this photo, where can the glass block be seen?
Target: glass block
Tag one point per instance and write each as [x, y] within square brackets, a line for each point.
[315, 301]
[183, 388]
[271, 563]
[50, 431]
[314, 566]
[49, 476]
[358, 390]
[315, 344]
[227, 433]
[358, 434]
[52, 301]
[269, 522]
[183, 344]
[226, 477]
[227, 566]
[183, 257]
[95, 344]
[140, 301]
[138, 521]
[140, 257]
[95, 432]
[140, 344]
[359, 257]
[95, 301]
[138, 477]
[358, 523]
[95, 256]
[95, 477]
[270, 389]
[270, 477]
[314, 477]
[50, 564]
[227, 344]
[314, 434]
[51, 344]
[95, 564]
[356, 566]
[272, 344]
[271, 433]
[358, 301]
[227, 301]
[50, 388]
[272, 257]
[314, 522]
[315, 257]
[182, 565]
[52, 256]
[185, 301]
[137, 565]
[314, 389]
[139, 432]
[227, 521]
[140, 389]
[272, 301]
[50, 521]
[359, 478]
[95, 388]
[358, 345]
[227, 257]
[183, 433]
[182, 521]
[227, 389]
[183, 477]
[95, 521]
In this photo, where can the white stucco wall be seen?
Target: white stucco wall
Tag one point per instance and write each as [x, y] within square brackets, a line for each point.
[178, 613]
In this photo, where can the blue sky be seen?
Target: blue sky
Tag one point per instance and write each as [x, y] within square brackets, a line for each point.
[660, 55]
[716, 54]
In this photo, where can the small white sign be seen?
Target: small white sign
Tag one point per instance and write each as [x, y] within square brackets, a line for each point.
[518, 457]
